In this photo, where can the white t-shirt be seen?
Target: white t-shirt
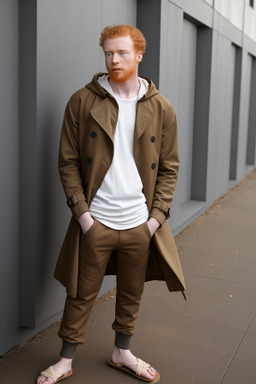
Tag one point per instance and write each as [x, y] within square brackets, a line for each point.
[119, 202]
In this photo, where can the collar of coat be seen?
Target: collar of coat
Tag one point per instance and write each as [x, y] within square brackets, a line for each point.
[95, 87]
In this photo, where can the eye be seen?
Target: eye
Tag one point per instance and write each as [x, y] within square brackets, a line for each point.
[108, 54]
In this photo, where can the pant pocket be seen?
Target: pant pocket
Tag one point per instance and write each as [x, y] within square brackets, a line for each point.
[147, 229]
[91, 230]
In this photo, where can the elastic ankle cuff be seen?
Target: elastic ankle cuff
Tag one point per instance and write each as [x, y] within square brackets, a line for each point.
[68, 350]
[122, 341]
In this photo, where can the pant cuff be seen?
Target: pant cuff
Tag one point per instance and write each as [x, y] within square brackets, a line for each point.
[122, 341]
[68, 350]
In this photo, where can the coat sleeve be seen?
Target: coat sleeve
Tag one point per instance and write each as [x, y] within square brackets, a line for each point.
[168, 166]
[69, 159]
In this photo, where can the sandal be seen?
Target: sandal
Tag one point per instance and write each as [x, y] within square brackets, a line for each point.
[137, 374]
[56, 377]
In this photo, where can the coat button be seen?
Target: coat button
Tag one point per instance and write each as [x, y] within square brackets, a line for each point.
[93, 134]
[153, 139]
[89, 160]
[153, 166]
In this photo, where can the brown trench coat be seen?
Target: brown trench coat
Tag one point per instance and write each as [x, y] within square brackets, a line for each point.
[86, 150]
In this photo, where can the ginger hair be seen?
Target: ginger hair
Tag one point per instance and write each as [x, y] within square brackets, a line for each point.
[135, 34]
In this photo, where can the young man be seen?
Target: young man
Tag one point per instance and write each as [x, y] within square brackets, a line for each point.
[118, 164]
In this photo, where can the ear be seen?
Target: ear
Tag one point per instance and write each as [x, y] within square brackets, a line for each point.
[139, 56]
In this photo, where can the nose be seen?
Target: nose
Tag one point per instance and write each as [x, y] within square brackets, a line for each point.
[115, 58]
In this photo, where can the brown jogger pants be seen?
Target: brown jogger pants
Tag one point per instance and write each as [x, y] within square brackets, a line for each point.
[132, 251]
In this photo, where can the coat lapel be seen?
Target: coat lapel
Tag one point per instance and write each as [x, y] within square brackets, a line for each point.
[105, 114]
[143, 120]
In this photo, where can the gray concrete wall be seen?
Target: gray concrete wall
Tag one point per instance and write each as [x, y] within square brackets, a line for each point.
[205, 88]
[201, 55]
[9, 161]
[59, 53]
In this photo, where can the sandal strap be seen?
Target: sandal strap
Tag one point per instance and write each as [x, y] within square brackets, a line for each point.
[50, 374]
[140, 364]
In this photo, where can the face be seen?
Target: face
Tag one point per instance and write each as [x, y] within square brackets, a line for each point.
[121, 58]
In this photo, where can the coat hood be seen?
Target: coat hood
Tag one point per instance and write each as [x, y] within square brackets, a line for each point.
[95, 87]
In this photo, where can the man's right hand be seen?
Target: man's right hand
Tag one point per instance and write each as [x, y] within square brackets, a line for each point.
[85, 221]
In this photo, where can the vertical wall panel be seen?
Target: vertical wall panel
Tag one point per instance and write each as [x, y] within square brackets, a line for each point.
[235, 114]
[9, 185]
[251, 139]
[222, 84]
[170, 50]
[244, 114]
[185, 110]
[150, 10]
[66, 61]
[68, 55]
[201, 113]
[28, 175]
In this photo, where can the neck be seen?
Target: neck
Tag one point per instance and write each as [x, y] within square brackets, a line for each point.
[127, 90]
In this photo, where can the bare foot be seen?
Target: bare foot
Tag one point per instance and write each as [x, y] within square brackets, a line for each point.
[62, 367]
[126, 358]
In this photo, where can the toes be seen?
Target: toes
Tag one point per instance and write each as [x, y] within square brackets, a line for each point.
[151, 371]
[148, 372]
[43, 380]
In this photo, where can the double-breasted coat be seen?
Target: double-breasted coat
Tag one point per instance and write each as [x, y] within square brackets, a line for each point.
[86, 151]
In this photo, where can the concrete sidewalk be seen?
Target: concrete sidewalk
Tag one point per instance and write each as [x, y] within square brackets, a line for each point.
[209, 339]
